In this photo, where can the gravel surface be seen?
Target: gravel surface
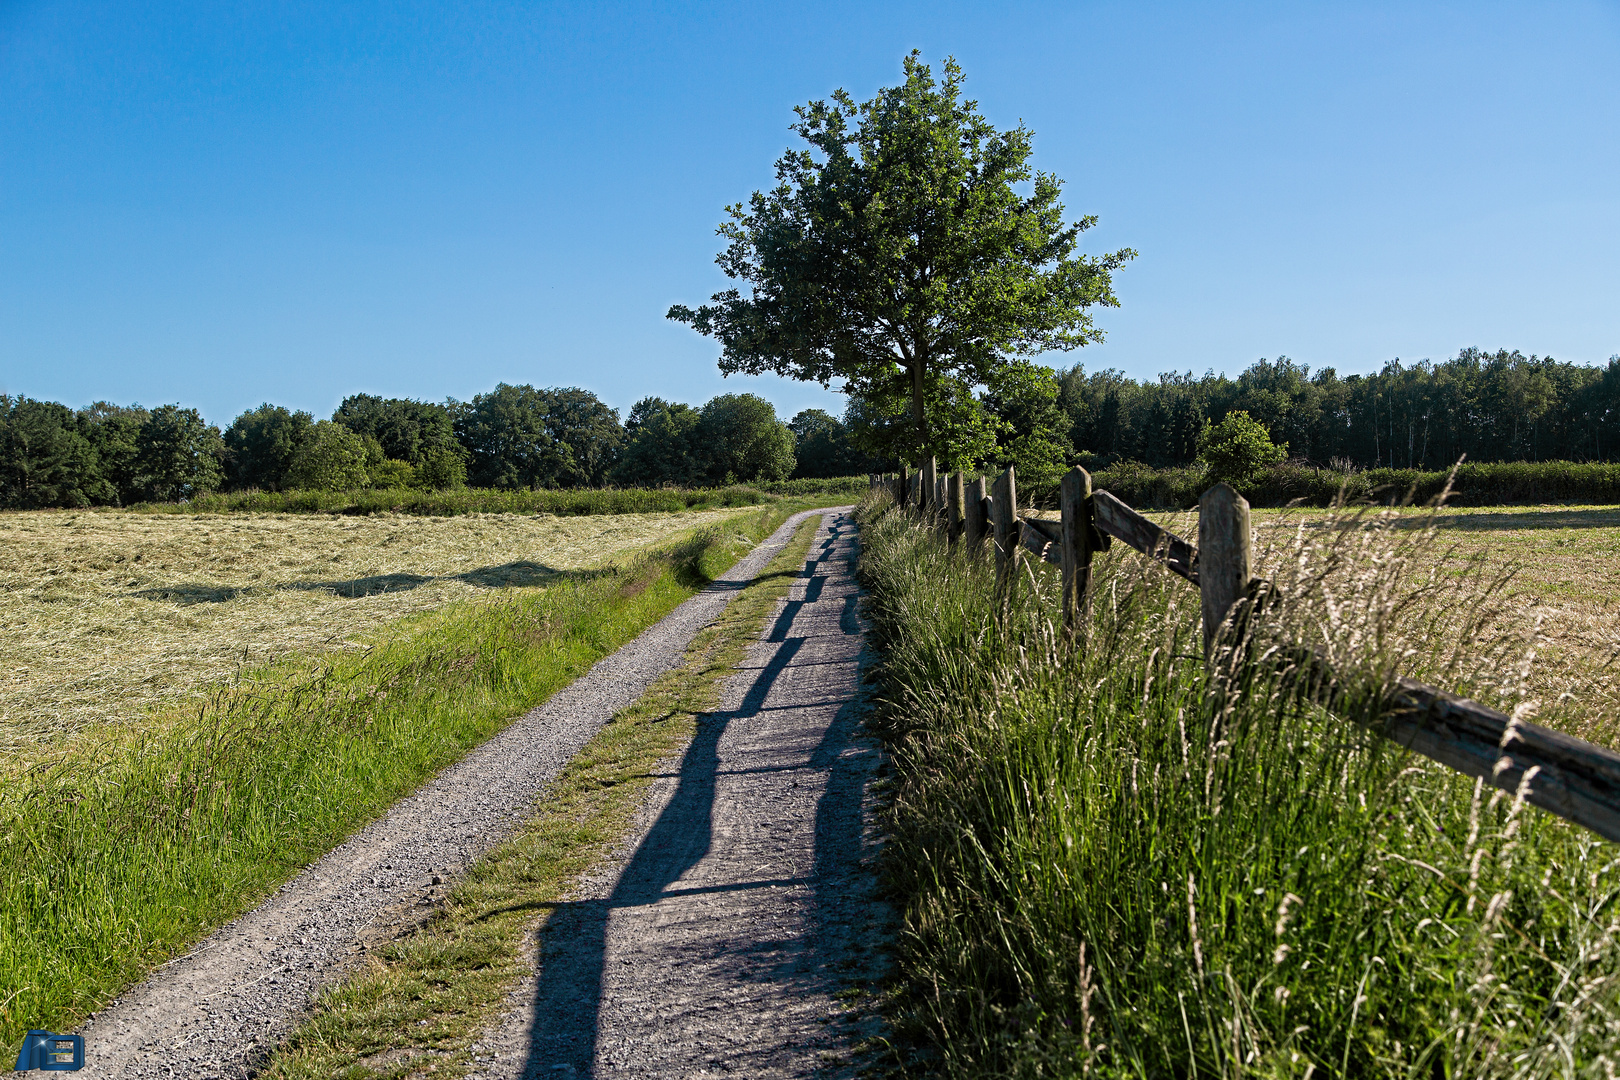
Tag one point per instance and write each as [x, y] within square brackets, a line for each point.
[216, 1011]
[720, 942]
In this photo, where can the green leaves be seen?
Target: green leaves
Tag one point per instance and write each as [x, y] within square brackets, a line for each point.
[1237, 448]
[902, 245]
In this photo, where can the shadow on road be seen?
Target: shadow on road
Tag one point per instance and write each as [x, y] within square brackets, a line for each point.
[563, 1035]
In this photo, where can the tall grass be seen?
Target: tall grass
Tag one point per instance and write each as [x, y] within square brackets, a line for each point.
[1475, 484]
[116, 855]
[1116, 861]
[577, 501]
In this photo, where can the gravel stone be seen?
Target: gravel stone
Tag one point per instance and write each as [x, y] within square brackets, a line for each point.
[720, 942]
[218, 1010]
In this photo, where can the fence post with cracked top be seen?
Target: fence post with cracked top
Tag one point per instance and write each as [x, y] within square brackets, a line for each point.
[1074, 499]
[1225, 558]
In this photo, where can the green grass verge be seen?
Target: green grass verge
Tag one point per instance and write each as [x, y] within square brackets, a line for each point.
[422, 1000]
[117, 857]
[1113, 862]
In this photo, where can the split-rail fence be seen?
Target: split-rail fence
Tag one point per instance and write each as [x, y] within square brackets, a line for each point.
[1570, 777]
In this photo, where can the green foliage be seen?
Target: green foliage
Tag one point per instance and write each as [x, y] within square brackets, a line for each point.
[442, 469]
[1236, 449]
[909, 248]
[744, 441]
[406, 430]
[1034, 438]
[735, 438]
[329, 458]
[822, 447]
[391, 473]
[262, 444]
[963, 432]
[664, 445]
[522, 437]
[45, 459]
[178, 454]
[1501, 406]
[114, 432]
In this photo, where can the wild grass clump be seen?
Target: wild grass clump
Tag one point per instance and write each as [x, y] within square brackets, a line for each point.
[117, 853]
[1117, 861]
[449, 503]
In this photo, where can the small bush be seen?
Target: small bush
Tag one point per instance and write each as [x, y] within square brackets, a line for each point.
[1237, 448]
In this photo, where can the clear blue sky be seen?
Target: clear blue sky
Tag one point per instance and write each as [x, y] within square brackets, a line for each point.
[223, 204]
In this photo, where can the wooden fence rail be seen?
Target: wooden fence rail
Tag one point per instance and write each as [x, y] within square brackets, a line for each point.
[1570, 777]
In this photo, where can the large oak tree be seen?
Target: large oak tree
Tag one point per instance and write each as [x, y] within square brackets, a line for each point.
[909, 245]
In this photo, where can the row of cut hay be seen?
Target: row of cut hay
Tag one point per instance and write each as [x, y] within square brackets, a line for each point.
[115, 856]
[1113, 861]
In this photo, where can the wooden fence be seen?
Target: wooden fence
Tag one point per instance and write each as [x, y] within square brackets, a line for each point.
[1570, 777]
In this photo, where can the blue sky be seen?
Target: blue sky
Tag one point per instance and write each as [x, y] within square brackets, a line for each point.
[223, 204]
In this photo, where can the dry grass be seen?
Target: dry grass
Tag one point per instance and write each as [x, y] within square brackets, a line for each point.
[1559, 605]
[108, 616]
[1560, 602]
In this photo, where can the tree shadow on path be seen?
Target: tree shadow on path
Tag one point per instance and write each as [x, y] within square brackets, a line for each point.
[568, 997]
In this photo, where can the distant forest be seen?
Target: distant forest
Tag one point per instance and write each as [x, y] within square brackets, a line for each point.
[1501, 406]
[513, 437]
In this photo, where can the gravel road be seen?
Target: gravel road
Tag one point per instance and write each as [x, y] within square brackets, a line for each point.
[721, 941]
[216, 1011]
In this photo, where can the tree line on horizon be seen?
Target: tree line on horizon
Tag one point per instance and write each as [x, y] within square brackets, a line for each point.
[512, 437]
[1501, 406]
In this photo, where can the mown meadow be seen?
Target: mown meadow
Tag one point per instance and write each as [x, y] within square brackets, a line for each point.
[1115, 860]
[128, 841]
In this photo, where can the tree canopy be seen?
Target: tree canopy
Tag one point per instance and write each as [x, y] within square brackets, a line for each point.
[910, 252]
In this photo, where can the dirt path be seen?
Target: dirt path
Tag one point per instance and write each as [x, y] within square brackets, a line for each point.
[746, 902]
[216, 1010]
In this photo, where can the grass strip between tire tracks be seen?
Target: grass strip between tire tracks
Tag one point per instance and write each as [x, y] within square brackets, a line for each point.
[116, 856]
[421, 1001]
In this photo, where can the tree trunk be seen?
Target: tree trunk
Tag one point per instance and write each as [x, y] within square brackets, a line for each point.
[917, 412]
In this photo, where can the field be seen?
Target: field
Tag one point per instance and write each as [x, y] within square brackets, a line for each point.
[109, 615]
[1116, 861]
[397, 643]
[1560, 596]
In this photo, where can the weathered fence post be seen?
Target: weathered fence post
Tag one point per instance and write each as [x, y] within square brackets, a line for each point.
[1225, 557]
[1075, 501]
[1004, 521]
[902, 485]
[976, 521]
[953, 506]
[925, 486]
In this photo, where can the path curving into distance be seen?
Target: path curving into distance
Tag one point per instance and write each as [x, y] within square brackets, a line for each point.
[720, 942]
[218, 1010]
